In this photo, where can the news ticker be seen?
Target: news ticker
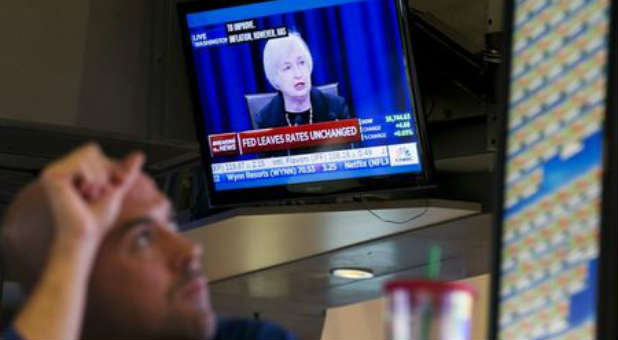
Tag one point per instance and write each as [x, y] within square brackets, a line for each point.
[391, 156]
[285, 138]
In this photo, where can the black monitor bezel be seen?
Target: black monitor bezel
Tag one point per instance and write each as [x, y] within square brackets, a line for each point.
[607, 298]
[305, 192]
[608, 262]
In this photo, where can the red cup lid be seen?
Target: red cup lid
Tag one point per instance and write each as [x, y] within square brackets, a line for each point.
[429, 285]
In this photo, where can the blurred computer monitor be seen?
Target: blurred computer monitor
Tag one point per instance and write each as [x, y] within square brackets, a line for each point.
[549, 250]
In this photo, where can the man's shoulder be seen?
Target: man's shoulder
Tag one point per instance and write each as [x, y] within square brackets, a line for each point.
[239, 328]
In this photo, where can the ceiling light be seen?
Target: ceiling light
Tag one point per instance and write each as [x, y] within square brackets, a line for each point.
[352, 273]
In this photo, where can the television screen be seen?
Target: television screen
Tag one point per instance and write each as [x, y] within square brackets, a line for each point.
[304, 98]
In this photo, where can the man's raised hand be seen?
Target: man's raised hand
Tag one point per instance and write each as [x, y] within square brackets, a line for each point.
[86, 189]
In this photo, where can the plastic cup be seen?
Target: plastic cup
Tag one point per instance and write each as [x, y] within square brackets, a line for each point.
[425, 309]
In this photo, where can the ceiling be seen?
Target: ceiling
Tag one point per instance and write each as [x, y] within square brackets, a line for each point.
[297, 294]
[252, 239]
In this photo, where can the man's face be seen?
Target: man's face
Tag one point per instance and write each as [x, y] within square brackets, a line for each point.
[294, 74]
[147, 280]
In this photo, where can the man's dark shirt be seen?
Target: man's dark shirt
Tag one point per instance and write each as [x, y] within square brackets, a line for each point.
[227, 328]
[237, 328]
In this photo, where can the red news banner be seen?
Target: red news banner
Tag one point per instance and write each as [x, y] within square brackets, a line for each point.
[301, 136]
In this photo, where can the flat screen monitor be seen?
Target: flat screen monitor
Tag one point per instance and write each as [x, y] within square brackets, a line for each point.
[304, 98]
[552, 168]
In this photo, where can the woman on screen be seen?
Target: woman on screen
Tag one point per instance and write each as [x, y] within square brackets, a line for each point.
[288, 65]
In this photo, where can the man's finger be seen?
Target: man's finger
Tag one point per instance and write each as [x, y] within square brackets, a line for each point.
[125, 172]
[130, 169]
[109, 205]
[92, 175]
[99, 167]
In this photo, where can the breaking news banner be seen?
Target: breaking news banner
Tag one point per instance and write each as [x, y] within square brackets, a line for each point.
[247, 31]
[224, 144]
[284, 138]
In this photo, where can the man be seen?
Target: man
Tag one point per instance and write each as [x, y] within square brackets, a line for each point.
[93, 244]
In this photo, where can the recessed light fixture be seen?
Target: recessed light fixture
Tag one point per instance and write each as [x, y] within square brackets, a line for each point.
[352, 273]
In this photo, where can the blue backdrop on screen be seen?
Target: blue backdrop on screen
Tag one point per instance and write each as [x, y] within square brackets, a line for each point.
[356, 45]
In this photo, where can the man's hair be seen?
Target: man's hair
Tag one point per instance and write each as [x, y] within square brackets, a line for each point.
[25, 236]
[276, 49]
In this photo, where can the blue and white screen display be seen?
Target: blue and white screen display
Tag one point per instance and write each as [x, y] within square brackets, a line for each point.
[553, 170]
[300, 91]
